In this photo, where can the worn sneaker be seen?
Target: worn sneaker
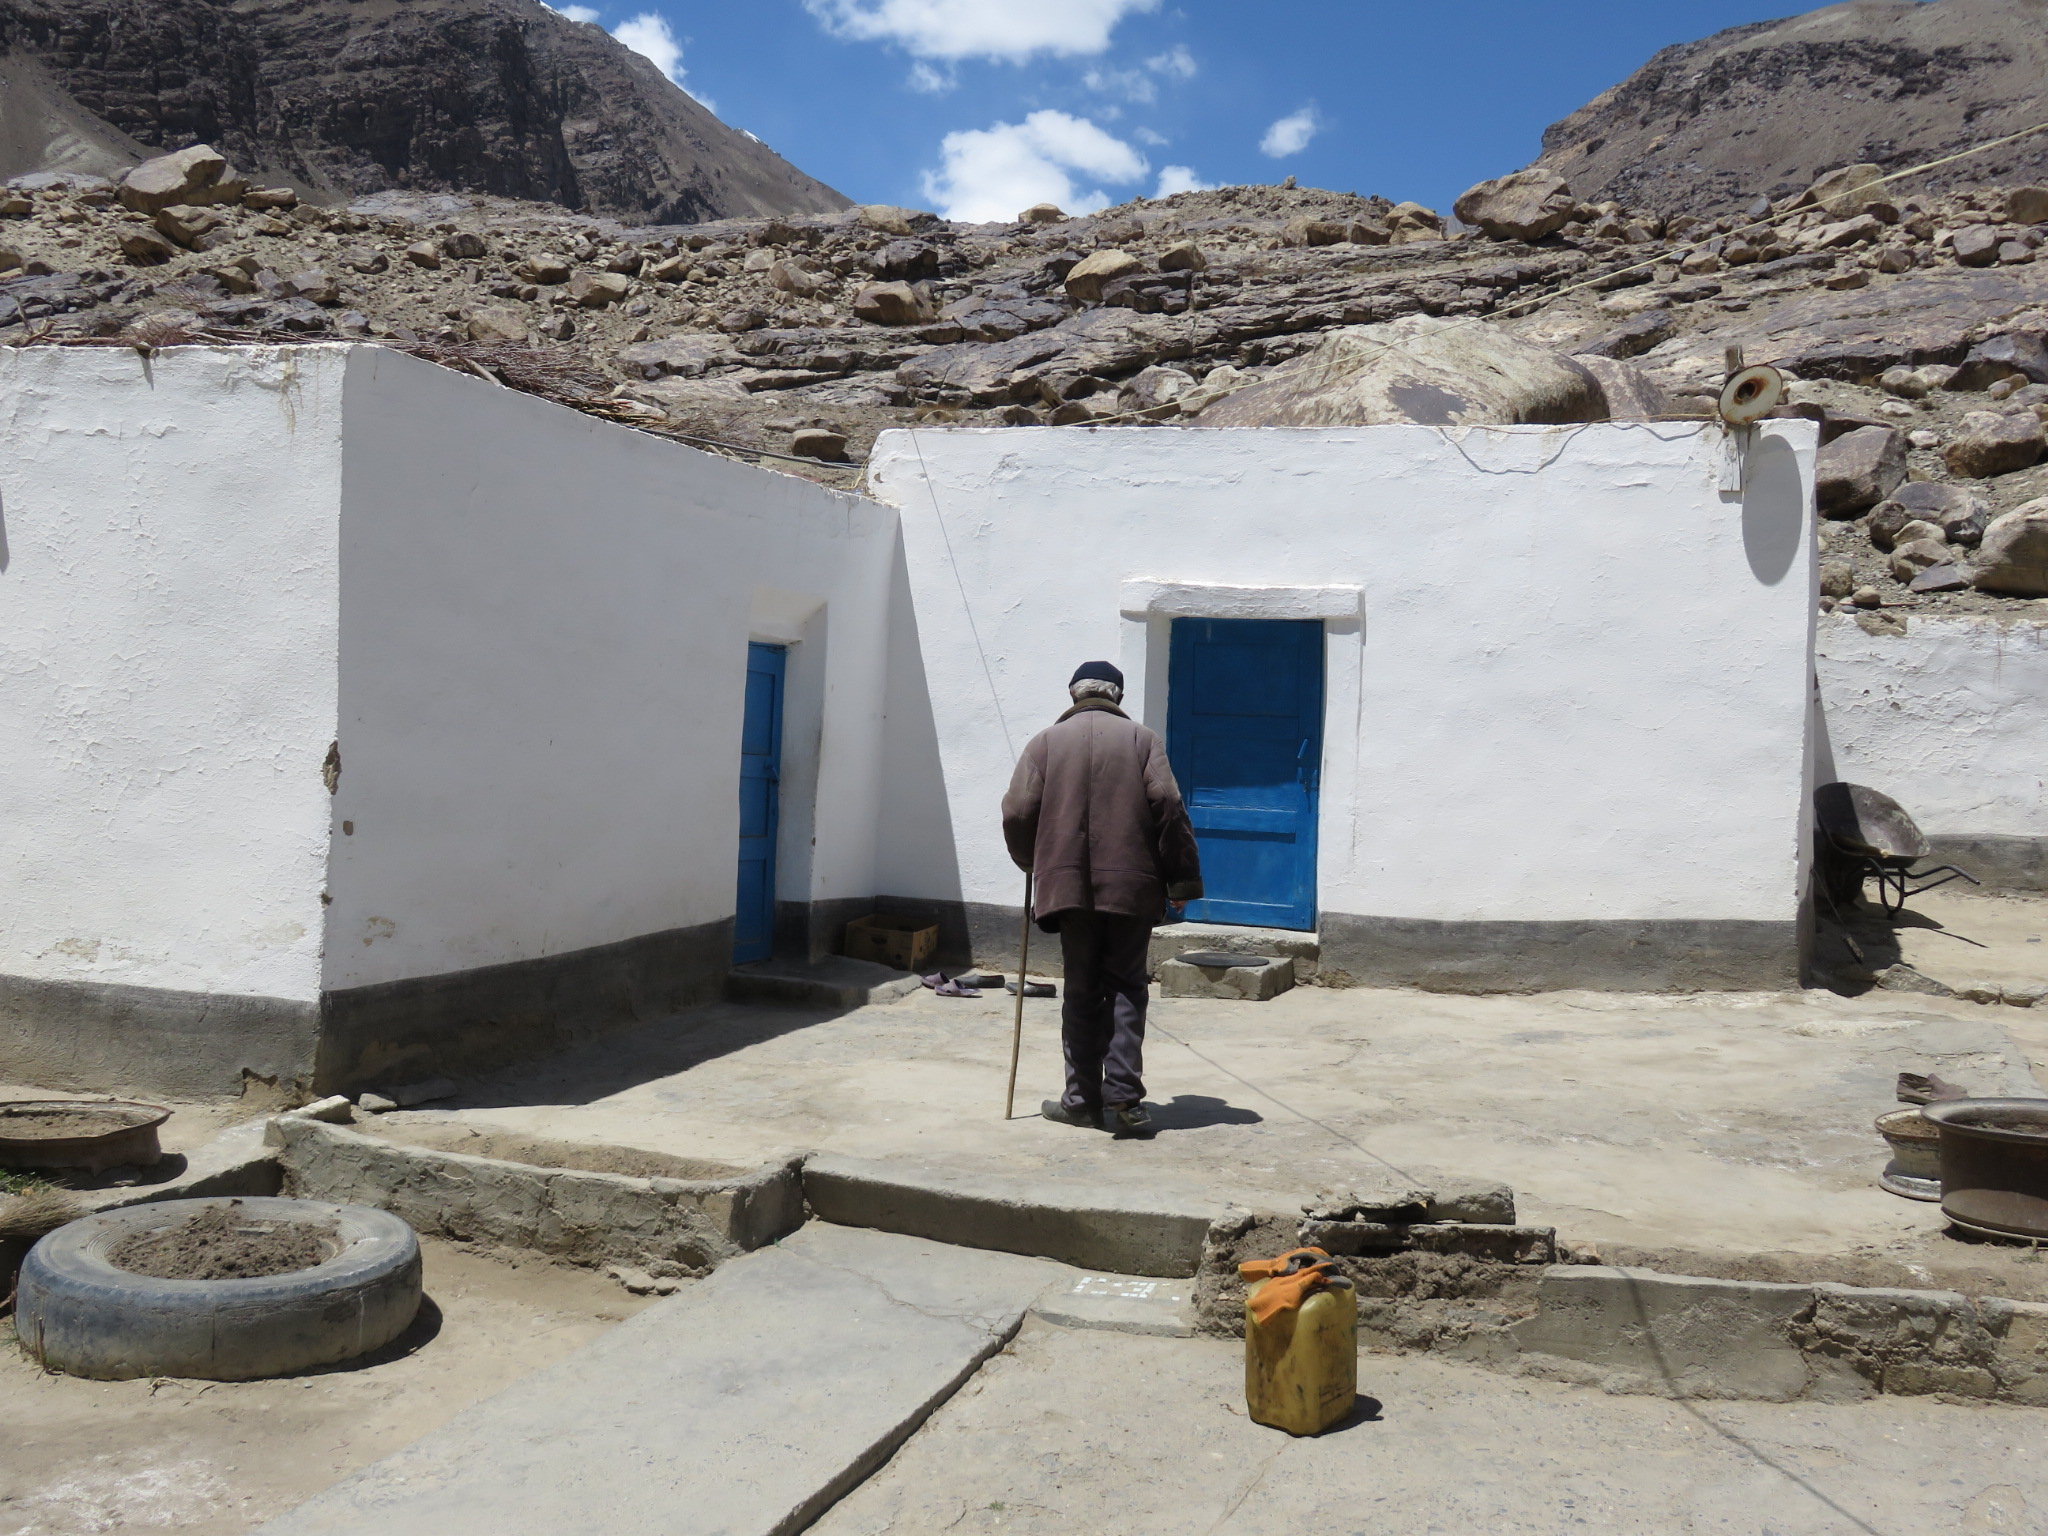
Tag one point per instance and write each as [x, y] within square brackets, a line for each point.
[1128, 1120]
[1059, 1114]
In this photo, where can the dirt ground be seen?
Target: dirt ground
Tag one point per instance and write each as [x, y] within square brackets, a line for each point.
[219, 1458]
[1072, 1431]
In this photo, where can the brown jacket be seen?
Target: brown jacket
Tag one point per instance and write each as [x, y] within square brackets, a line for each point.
[1094, 812]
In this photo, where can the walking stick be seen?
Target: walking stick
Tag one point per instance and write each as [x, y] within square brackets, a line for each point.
[1017, 1029]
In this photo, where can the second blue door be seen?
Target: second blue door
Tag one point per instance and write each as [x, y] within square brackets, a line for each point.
[1244, 730]
[760, 804]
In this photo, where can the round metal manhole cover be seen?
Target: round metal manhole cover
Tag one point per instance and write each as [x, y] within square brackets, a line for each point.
[1213, 958]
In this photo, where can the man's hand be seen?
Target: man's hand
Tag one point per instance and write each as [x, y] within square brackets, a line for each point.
[1176, 910]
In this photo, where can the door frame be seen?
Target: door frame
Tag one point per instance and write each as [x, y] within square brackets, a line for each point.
[1149, 605]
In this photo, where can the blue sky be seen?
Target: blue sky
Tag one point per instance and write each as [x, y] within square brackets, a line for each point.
[978, 108]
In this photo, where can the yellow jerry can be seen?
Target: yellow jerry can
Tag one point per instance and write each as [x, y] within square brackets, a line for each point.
[1301, 1360]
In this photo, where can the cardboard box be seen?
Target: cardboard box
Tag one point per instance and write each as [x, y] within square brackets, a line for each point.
[904, 942]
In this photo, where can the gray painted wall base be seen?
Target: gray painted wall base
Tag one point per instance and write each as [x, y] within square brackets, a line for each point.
[1621, 955]
[95, 1037]
[2001, 863]
[469, 1021]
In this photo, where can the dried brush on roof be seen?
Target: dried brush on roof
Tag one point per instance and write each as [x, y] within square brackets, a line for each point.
[531, 370]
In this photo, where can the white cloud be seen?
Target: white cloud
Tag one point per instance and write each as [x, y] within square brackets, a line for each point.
[991, 174]
[928, 81]
[650, 36]
[1010, 30]
[1176, 62]
[1181, 178]
[1291, 134]
[1150, 136]
[1131, 84]
[573, 12]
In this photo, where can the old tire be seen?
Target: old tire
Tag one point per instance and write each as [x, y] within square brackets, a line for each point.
[77, 1313]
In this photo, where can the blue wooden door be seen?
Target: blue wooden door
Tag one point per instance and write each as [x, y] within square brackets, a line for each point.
[1244, 730]
[760, 804]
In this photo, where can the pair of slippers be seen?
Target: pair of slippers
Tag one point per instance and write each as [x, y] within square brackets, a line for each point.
[970, 983]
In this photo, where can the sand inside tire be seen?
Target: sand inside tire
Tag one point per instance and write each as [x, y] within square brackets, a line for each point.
[224, 1242]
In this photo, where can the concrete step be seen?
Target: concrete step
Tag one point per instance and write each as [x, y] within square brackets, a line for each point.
[743, 1406]
[1113, 1227]
[1175, 939]
[834, 982]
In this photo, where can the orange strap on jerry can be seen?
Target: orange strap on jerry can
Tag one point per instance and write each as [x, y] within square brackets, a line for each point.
[1300, 1342]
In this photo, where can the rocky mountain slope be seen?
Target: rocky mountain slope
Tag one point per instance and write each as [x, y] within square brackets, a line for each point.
[1913, 329]
[341, 98]
[1761, 110]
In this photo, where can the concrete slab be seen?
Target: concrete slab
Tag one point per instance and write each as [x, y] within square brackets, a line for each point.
[837, 981]
[1228, 983]
[1121, 1304]
[1069, 1431]
[1304, 949]
[1715, 1122]
[744, 1406]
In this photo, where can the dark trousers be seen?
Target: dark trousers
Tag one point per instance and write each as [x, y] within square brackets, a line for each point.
[1102, 1019]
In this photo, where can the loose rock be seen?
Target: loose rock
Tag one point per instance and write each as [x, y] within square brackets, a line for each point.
[1859, 469]
[195, 175]
[1085, 282]
[2013, 557]
[1990, 443]
[819, 443]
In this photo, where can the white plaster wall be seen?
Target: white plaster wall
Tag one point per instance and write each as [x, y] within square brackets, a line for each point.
[1950, 719]
[167, 642]
[1579, 689]
[543, 658]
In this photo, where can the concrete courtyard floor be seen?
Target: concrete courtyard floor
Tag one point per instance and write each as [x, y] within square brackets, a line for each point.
[1070, 1431]
[1729, 1122]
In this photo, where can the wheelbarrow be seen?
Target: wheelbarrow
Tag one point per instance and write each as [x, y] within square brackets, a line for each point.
[1867, 835]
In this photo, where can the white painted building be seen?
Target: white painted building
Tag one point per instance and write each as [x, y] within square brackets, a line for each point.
[362, 720]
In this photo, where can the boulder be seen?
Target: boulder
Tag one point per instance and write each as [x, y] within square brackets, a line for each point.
[1526, 205]
[2021, 354]
[891, 304]
[146, 248]
[1918, 555]
[1977, 246]
[498, 325]
[1990, 443]
[2014, 555]
[1184, 257]
[366, 259]
[545, 268]
[820, 443]
[596, 290]
[1408, 222]
[1847, 191]
[2027, 205]
[1633, 338]
[1837, 578]
[1367, 232]
[1085, 281]
[1042, 213]
[906, 261]
[1416, 369]
[1306, 231]
[193, 228]
[196, 175]
[1629, 393]
[1156, 392]
[791, 278]
[423, 253]
[1859, 469]
[1149, 293]
[1217, 383]
[681, 356]
[1959, 512]
[463, 245]
[262, 199]
[885, 219]
[1939, 578]
[315, 284]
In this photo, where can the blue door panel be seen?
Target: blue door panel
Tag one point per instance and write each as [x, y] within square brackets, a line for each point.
[1245, 735]
[760, 803]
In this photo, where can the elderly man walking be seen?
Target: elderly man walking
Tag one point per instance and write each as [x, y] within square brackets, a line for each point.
[1094, 813]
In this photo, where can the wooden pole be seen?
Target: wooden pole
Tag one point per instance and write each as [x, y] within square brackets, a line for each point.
[1017, 1028]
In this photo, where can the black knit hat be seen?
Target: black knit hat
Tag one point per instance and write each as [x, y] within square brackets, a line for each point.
[1102, 671]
